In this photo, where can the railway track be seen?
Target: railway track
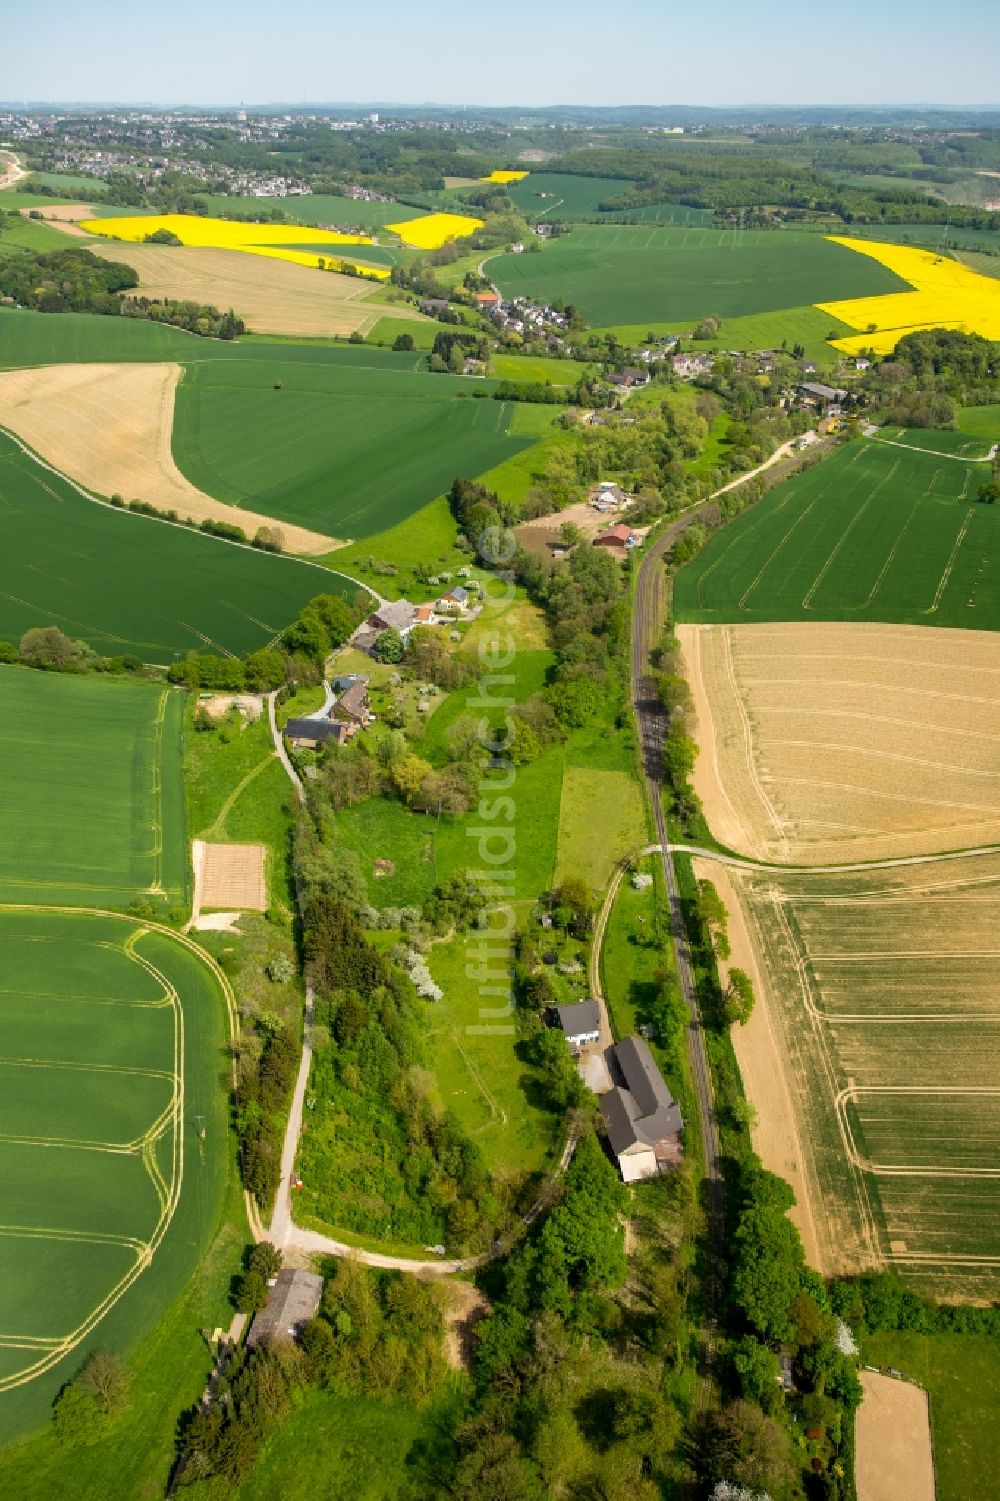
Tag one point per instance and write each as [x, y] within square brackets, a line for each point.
[647, 623]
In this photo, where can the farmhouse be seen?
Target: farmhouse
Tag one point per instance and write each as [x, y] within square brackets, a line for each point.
[352, 706]
[455, 599]
[621, 535]
[292, 1302]
[393, 615]
[581, 1023]
[487, 301]
[310, 734]
[642, 1119]
[815, 392]
[629, 378]
[607, 496]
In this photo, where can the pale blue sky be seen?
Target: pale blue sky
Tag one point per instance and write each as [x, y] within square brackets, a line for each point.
[711, 52]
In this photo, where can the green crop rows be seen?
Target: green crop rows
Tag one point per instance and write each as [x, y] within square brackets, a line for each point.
[126, 583]
[877, 532]
[112, 1031]
[71, 749]
[348, 451]
[561, 196]
[630, 275]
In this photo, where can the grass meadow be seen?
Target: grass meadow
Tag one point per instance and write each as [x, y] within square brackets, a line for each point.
[127, 583]
[355, 1445]
[876, 532]
[624, 275]
[980, 422]
[346, 448]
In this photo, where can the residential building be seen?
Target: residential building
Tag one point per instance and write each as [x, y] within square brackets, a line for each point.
[352, 706]
[393, 615]
[311, 733]
[641, 1116]
[581, 1022]
[814, 391]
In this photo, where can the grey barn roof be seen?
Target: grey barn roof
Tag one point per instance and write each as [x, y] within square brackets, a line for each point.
[313, 729]
[292, 1302]
[825, 393]
[395, 614]
[581, 1017]
[641, 1110]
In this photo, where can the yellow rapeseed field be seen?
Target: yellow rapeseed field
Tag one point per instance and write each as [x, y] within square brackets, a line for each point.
[945, 295]
[504, 177]
[220, 234]
[431, 232]
[317, 260]
[256, 239]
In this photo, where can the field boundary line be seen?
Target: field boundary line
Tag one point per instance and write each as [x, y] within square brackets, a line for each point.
[945, 578]
[99, 500]
[173, 1115]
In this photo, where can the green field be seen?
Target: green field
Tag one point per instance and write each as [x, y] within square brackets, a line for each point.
[980, 422]
[876, 532]
[73, 748]
[928, 234]
[346, 450]
[29, 338]
[116, 1035]
[127, 583]
[113, 1032]
[562, 197]
[961, 1375]
[782, 329]
[319, 209]
[537, 368]
[30, 234]
[631, 275]
[987, 263]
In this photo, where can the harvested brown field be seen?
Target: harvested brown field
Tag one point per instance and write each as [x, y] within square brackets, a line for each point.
[878, 1004]
[233, 876]
[109, 428]
[757, 1046]
[893, 1453]
[65, 212]
[823, 743]
[271, 296]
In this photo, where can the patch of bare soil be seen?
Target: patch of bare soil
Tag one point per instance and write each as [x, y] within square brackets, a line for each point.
[893, 1454]
[64, 213]
[232, 875]
[763, 1068]
[823, 743]
[218, 705]
[109, 428]
[466, 1308]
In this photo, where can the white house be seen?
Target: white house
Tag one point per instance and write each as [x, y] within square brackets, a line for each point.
[581, 1023]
